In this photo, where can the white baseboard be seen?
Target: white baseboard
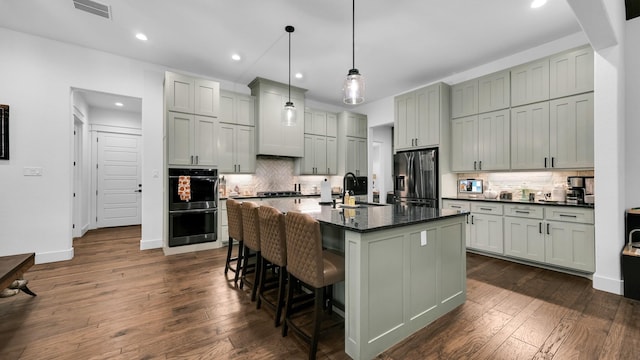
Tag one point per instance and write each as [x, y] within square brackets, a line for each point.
[191, 248]
[150, 244]
[54, 256]
[615, 286]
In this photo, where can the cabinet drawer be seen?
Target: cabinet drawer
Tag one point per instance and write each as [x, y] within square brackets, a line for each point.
[486, 208]
[456, 205]
[567, 214]
[525, 211]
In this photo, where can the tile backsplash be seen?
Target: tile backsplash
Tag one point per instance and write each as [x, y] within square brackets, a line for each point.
[516, 181]
[274, 173]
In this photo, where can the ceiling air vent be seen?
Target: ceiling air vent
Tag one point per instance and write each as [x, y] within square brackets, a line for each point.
[93, 7]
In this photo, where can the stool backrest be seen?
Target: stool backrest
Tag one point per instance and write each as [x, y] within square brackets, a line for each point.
[250, 225]
[234, 219]
[304, 248]
[273, 246]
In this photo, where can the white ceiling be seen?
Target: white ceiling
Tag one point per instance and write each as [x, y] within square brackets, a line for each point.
[400, 45]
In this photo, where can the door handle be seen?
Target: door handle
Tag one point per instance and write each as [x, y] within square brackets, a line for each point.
[197, 161]
[471, 219]
[480, 165]
[235, 168]
[416, 142]
[474, 165]
[239, 168]
[540, 227]
[192, 159]
[548, 232]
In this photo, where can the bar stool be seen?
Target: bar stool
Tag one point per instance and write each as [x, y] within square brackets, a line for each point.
[251, 237]
[316, 268]
[273, 249]
[234, 219]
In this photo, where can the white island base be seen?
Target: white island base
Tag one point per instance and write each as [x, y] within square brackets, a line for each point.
[399, 280]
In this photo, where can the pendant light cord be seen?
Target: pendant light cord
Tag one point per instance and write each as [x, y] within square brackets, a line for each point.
[289, 66]
[353, 38]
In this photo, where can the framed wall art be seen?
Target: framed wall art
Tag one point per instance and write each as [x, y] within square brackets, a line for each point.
[4, 132]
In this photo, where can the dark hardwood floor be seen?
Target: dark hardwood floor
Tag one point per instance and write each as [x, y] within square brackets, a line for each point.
[113, 301]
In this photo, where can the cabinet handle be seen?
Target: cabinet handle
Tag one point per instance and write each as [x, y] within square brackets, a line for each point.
[474, 165]
[471, 219]
[238, 167]
[521, 212]
[569, 216]
[553, 161]
[328, 171]
[235, 168]
[548, 232]
[456, 206]
[540, 227]
[416, 142]
[487, 209]
[545, 162]
[191, 159]
[480, 165]
[197, 160]
[467, 219]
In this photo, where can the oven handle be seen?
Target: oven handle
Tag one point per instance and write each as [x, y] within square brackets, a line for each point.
[194, 211]
[215, 178]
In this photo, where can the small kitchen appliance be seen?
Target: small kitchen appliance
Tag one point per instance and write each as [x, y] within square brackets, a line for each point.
[576, 189]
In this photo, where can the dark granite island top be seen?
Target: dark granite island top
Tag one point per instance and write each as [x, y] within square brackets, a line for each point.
[361, 219]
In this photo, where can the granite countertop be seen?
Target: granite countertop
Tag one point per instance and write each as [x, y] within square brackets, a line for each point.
[519, 201]
[362, 219]
[242, 197]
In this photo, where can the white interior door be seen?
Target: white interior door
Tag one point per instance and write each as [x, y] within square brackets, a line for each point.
[118, 174]
[77, 177]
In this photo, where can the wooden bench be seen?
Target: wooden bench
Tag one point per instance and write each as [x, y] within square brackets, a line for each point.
[13, 267]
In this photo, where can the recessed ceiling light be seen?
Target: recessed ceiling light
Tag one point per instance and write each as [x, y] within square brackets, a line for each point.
[141, 36]
[119, 104]
[236, 57]
[298, 75]
[537, 3]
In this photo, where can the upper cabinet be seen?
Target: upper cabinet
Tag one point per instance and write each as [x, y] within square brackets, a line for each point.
[530, 82]
[237, 108]
[418, 117]
[464, 99]
[320, 143]
[275, 138]
[530, 137]
[192, 96]
[481, 142]
[352, 143]
[571, 132]
[494, 92]
[571, 73]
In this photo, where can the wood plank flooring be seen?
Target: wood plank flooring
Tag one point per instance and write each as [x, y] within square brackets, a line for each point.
[113, 301]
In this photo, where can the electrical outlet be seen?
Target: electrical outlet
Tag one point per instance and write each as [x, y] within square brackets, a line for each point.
[32, 171]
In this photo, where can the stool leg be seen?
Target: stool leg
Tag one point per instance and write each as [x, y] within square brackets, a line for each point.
[239, 261]
[280, 301]
[317, 313]
[229, 249]
[245, 263]
[287, 309]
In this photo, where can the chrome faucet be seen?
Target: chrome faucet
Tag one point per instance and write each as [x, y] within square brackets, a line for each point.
[344, 183]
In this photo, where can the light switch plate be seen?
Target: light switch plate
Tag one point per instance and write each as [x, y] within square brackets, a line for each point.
[32, 171]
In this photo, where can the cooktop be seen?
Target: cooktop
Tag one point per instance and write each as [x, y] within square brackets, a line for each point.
[278, 193]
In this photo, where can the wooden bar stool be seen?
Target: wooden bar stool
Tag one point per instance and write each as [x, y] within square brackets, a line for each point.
[234, 219]
[316, 268]
[251, 237]
[273, 249]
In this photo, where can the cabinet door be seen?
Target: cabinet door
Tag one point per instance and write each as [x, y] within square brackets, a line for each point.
[227, 108]
[494, 92]
[571, 73]
[205, 146]
[179, 93]
[464, 144]
[332, 156]
[308, 162]
[486, 233]
[524, 238]
[245, 149]
[319, 123]
[405, 119]
[180, 138]
[275, 138]
[464, 99]
[226, 148]
[530, 82]
[351, 164]
[320, 149]
[356, 125]
[207, 98]
[427, 117]
[363, 164]
[332, 125]
[245, 110]
[530, 137]
[571, 132]
[494, 140]
[570, 245]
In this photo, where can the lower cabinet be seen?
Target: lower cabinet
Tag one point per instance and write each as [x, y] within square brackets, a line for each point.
[524, 238]
[486, 233]
[570, 245]
[223, 225]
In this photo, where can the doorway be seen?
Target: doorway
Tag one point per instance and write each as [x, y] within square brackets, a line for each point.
[107, 184]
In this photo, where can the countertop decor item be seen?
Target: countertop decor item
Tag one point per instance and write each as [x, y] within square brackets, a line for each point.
[354, 83]
[289, 111]
[490, 194]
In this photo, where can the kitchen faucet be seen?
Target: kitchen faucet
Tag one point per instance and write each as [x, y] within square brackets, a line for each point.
[344, 183]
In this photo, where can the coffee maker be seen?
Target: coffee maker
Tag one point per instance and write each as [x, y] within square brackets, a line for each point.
[575, 189]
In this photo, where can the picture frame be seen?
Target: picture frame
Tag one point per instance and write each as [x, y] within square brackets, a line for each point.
[4, 132]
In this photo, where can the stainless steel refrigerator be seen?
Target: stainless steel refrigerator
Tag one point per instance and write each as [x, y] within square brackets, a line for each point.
[416, 177]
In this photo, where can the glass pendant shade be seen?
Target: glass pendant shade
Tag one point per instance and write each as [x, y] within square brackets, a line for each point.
[353, 88]
[289, 117]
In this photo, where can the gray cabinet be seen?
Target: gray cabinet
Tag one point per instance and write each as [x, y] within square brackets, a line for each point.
[352, 143]
[486, 227]
[494, 91]
[191, 95]
[320, 122]
[418, 117]
[236, 149]
[571, 132]
[481, 142]
[237, 108]
[461, 206]
[315, 155]
[530, 137]
[570, 238]
[191, 139]
[275, 138]
[320, 143]
[523, 232]
[571, 73]
[530, 82]
[464, 99]
[356, 156]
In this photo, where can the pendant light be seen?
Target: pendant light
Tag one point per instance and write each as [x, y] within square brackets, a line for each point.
[354, 83]
[289, 111]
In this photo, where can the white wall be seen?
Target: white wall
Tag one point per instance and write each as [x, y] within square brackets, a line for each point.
[115, 118]
[37, 77]
[632, 74]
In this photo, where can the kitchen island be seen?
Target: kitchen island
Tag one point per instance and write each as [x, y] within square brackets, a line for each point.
[405, 267]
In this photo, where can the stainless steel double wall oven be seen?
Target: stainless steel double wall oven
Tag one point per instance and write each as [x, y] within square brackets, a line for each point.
[193, 219]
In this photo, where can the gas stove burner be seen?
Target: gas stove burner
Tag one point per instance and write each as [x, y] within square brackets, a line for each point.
[279, 193]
